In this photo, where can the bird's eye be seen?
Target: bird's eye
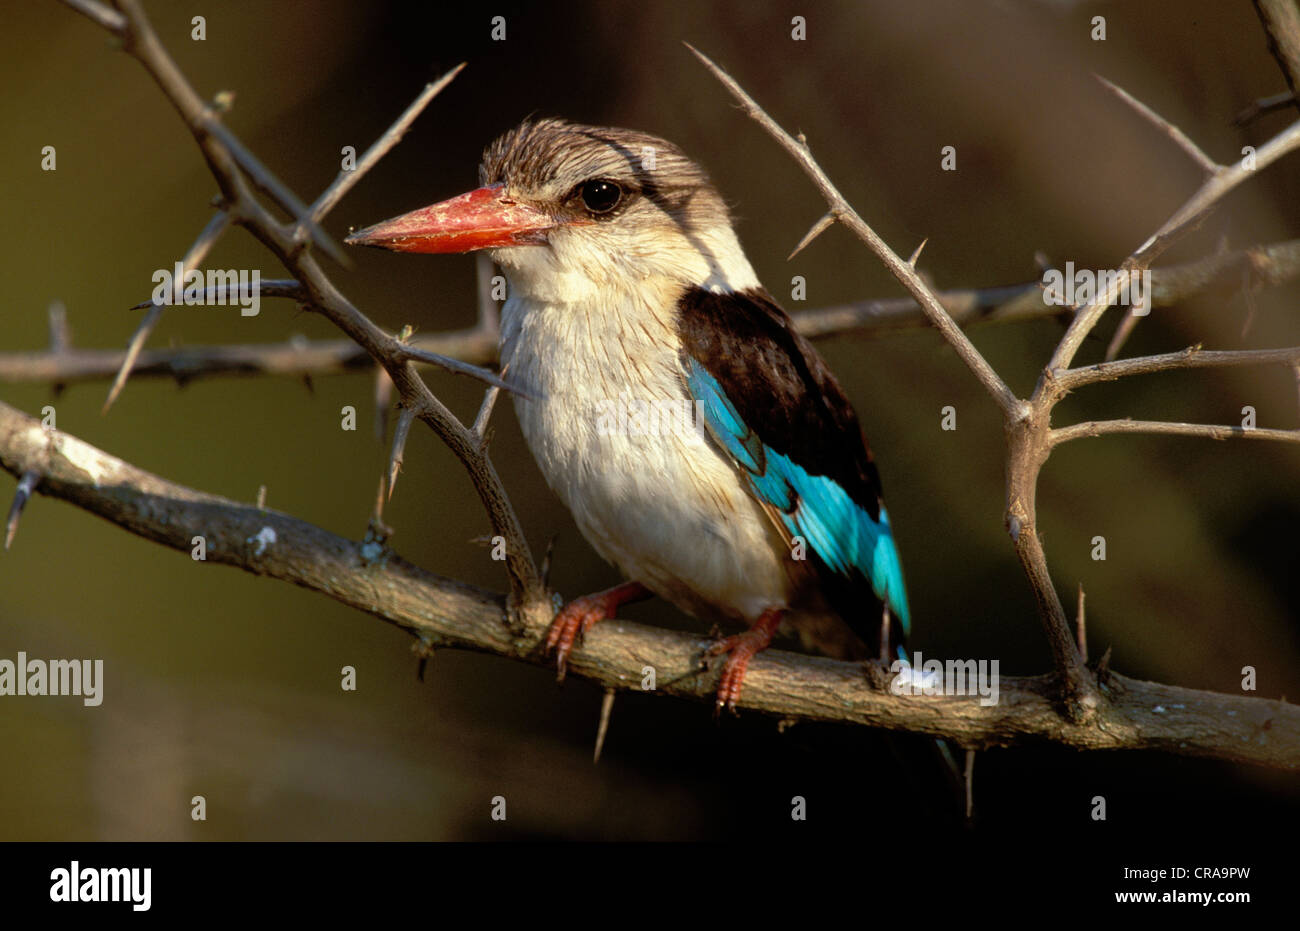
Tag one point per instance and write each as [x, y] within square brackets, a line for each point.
[600, 196]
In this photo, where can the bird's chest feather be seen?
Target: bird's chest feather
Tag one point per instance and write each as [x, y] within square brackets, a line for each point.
[611, 426]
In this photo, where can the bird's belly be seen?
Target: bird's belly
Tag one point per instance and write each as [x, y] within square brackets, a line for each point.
[662, 505]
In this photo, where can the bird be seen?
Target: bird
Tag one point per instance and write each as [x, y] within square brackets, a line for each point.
[629, 294]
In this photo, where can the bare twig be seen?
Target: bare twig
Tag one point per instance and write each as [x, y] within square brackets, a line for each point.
[1176, 135]
[1263, 105]
[109, 18]
[1172, 285]
[841, 210]
[221, 294]
[266, 181]
[1160, 427]
[528, 595]
[456, 367]
[1222, 180]
[382, 146]
[1193, 357]
[1281, 21]
[296, 357]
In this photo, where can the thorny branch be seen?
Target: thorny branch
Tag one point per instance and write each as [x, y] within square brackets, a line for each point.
[1102, 708]
[1171, 286]
[443, 612]
[288, 243]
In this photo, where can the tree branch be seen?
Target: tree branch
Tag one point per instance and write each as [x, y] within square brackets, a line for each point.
[1193, 357]
[1204, 430]
[1171, 285]
[291, 247]
[1281, 21]
[840, 209]
[447, 613]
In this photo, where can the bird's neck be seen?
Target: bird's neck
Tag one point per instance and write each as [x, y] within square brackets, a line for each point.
[583, 325]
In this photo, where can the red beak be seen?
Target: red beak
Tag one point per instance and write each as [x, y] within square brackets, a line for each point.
[481, 219]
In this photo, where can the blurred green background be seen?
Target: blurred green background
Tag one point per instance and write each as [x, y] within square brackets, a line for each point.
[227, 686]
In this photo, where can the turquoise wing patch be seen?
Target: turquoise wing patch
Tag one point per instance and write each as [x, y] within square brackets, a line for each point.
[814, 507]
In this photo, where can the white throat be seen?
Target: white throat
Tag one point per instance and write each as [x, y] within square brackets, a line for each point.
[582, 267]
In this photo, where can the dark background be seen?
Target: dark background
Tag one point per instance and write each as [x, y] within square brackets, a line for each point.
[227, 685]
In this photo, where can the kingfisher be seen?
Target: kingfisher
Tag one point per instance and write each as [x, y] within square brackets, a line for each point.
[628, 293]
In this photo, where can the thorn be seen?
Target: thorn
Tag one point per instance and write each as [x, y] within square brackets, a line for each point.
[970, 784]
[404, 421]
[1103, 667]
[132, 354]
[26, 485]
[606, 709]
[423, 649]
[817, 229]
[59, 340]
[1248, 293]
[1175, 135]
[485, 410]
[1082, 632]
[380, 497]
[546, 561]
[917, 254]
[1263, 105]
[1126, 326]
[261, 497]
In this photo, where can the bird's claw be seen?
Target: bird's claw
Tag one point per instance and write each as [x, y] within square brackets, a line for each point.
[740, 649]
[574, 620]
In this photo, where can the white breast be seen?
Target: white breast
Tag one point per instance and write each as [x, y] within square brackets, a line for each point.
[665, 507]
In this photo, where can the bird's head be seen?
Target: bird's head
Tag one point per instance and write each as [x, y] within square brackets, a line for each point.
[566, 208]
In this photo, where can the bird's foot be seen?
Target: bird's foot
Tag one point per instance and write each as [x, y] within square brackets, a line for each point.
[740, 649]
[577, 617]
